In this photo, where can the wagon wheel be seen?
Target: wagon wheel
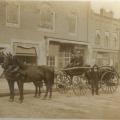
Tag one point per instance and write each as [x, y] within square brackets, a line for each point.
[79, 85]
[62, 82]
[109, 82]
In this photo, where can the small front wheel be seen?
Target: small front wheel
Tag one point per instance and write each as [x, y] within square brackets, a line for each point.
[79, 85]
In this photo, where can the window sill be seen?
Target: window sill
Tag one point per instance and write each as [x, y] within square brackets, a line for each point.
[12, 25]
[46, 30]
[73, 34]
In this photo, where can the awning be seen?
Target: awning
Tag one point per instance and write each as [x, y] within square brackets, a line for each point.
[61, 40]
[19, 50]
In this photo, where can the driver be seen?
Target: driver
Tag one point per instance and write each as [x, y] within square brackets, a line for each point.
[76, 59]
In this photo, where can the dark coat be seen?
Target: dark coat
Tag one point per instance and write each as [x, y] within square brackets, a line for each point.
[95, 76]
[76, 61]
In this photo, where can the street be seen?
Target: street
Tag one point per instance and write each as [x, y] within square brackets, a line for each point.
[105, 106]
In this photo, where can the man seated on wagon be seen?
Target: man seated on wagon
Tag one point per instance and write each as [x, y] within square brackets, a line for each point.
[76, 59]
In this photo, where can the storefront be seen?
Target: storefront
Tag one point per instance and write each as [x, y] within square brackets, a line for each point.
[59, 53]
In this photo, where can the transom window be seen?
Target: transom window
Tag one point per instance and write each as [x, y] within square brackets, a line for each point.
[12, 13]
[47, 18]
[72, 23]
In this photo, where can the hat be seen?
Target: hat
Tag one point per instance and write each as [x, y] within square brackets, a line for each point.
[95, 66]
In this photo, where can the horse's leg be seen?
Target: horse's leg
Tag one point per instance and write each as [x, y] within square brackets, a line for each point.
[36, 89]
[10, 88]
[46, 92]
[50, 88]
[39, 89]
[20, 83]
[18, 86]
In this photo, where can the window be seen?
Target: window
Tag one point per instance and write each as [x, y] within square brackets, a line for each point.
[115, 42]
[12, 14]
[106, 40]
[72, 23]
[102, 59]
[67, 56]
[97, 40]
[51, 60]
[64, 55]
[30, 60]
[47, 18]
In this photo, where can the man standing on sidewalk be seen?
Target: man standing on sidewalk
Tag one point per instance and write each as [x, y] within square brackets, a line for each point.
[95, 79]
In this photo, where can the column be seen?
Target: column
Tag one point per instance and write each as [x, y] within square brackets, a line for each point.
[89, 59]
[42, 54]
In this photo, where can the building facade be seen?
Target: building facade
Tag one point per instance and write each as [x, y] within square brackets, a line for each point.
[104, 37]
[47, 32]
[44, 32]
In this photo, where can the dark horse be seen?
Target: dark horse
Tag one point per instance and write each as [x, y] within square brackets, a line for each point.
[16, 71]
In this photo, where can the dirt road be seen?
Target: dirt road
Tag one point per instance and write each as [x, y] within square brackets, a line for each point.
[63, 106]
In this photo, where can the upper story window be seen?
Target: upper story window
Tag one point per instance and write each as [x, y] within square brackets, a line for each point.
[106, 40]
[12, 13]
[114, 41]
[47, 18]
[72, 23]
[98, 38]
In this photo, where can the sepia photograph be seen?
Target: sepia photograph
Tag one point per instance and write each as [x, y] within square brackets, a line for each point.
[60, 59]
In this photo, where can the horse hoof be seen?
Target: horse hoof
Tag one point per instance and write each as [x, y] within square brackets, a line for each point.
[20, 101]
[44, 98]
[50, 98]
[11, 100]
[35, 96]
[39, 96]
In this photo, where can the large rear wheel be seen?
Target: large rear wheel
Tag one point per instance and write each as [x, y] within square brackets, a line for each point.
[109, 82]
